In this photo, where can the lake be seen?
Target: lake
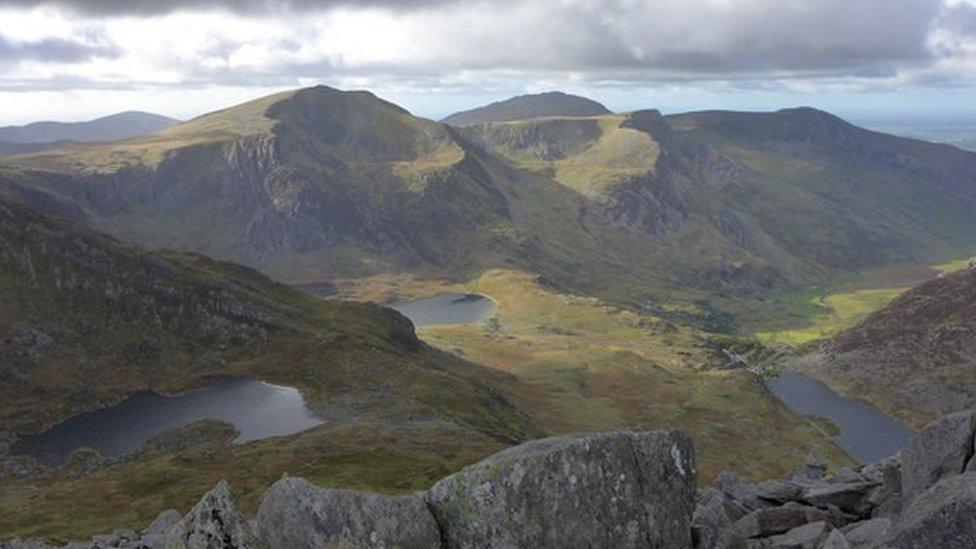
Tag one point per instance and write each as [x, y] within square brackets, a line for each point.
[445, 309]
[258, 410]
[866, 433]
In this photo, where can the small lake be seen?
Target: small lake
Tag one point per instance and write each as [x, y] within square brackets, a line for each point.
[445, 309]
[258, 410]
[866, 433]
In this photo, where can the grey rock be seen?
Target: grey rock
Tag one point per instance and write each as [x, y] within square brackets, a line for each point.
[607, 490]
[867, 533]
[813, 468]
[779, 491]
[943, 516]
[808, 536]
[213, 523]
[835, 540]
[711, 527]
[154, 536]
[740, 492]
[941, 449]
[776, 520]
[163, 522]
[294, 513]
[845, 475]
[850, 497]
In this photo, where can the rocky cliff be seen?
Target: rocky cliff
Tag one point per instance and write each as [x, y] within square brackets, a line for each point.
[621, 489]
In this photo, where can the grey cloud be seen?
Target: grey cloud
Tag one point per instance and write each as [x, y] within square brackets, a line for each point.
[157, 7]
[54, 50]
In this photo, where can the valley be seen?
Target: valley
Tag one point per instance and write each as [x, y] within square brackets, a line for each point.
[573, 272]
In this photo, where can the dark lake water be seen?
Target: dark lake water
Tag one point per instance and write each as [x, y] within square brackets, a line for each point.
[866, 433]
[445, 309]
[258, 410]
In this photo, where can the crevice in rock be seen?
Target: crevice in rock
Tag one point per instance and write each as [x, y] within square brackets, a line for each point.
[441, 532]
[642, 487]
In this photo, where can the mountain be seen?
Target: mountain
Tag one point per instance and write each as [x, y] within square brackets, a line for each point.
[915, 356]
[87, 321]
[684, 215]
[528, 106]
[122, 125]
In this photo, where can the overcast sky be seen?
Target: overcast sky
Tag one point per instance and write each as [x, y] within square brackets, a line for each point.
[77, 59]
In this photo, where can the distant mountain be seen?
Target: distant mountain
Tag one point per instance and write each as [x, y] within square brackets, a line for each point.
[87, 321]
[109, 128]
[529, 106]
[916, 357]
[705, 208]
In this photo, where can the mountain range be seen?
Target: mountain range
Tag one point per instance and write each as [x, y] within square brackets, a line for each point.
[319, 184]
[39, 136]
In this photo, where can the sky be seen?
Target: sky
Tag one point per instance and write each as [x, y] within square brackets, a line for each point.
[79, 59]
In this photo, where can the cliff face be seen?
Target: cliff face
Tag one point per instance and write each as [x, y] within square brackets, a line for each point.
[621, 489]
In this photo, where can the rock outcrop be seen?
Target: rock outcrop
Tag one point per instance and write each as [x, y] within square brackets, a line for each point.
[616, 490]
[621, 489]
[213, 523]
[294, 513]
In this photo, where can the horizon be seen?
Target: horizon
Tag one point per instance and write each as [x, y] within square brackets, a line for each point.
[66, 60]
[862, 116]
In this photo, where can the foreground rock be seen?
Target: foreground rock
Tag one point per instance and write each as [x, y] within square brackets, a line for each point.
[295, 513]
[613, 490]
[940, 450]
[608, 490]
[213, 523]
[942, 516]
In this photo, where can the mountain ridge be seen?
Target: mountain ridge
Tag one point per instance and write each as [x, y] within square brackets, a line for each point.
[113, 127]
[319, 183]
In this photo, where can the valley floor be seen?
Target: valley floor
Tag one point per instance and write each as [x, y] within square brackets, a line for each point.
[578, 365]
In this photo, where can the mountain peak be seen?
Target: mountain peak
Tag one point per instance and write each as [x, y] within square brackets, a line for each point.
[553, 103]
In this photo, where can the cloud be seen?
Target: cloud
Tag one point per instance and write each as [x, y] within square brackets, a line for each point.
[157, 7]
[54, 50]
[416, 45]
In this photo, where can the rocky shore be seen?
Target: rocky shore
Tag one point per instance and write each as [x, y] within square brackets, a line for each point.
[620, 489]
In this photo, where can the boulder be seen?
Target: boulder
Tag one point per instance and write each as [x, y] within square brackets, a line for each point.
[711, 527]
[943, 516]
[608, 490]
[941, 449]
[850, 497]
[213, 523]
[740, 492]
[835, 540]
[867, 533]
[294, 513]
[154, 536]
[763, 523]
[808, 536]
[814, 468]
